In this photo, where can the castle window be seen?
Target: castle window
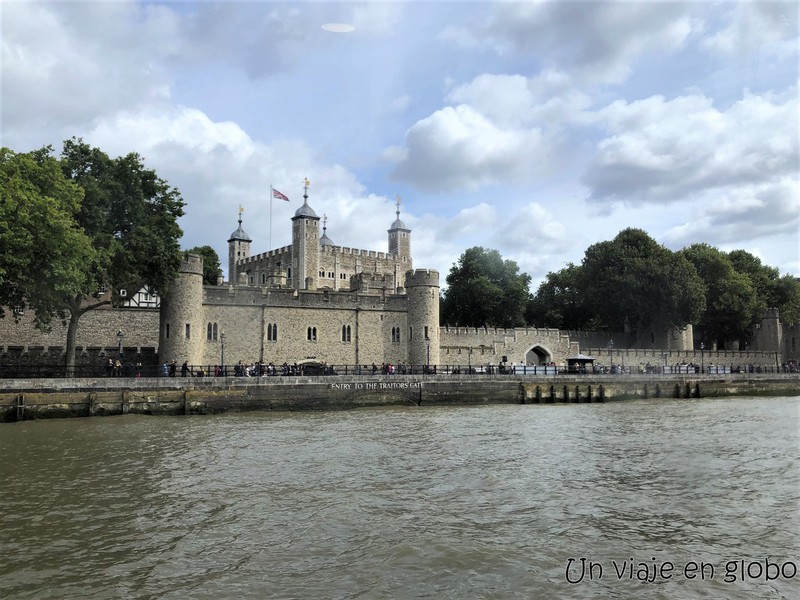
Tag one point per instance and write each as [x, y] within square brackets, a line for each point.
[166, 331]
[251, 280]
[214, 333]
[263, 278]
[396, 334]
[272, 332]
[330, 275]
[426, 332]
[208, 332]
[322, 273]
[410, 333]
[345, 333]
[188, 331]
[312, 334]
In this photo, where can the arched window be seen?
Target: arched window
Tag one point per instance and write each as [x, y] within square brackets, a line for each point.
[272, 332]
[214, 332]
[345, 333]
[208, 332]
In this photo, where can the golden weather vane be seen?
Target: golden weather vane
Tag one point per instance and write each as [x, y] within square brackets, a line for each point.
[306, 185]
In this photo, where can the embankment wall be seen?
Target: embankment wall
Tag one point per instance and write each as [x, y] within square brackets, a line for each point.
[42, 398]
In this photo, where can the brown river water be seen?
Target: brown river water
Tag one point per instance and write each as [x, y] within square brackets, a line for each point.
[640, 499]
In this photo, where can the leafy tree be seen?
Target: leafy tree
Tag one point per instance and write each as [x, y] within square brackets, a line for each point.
[130, 214]
[731, 301]
[772, 290]
[632, 283]
[560, 301]
[211, 267]
[43, 252]
[483, 289]
[121, 232]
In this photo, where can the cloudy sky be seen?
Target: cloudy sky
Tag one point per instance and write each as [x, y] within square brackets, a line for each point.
[534, 128]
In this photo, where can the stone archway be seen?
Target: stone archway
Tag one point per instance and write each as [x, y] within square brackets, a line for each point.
[538, 355]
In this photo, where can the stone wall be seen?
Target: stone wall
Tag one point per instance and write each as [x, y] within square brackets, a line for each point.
[22, 400]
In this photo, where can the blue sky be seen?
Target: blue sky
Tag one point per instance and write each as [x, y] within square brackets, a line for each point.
[534, 128]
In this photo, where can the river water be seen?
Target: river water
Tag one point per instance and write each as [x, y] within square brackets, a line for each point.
[418, 502]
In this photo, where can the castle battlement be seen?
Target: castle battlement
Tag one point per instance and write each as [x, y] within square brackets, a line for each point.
[422, 278]
[355, 252]
[191, 264]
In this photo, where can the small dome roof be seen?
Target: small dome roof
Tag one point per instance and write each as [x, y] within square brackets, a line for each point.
[398, 224]
[305, 211]
[240, 234]
[325, 240]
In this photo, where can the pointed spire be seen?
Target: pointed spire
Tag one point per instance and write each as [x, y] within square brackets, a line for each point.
[398, 224]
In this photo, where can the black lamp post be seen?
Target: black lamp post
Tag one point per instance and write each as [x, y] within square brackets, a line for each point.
[428, 349]
[611, 353]
[120, 336]
[222, 351]
[702, 358]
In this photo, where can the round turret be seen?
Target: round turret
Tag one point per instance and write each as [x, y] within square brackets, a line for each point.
[180, 335]
[422, 289]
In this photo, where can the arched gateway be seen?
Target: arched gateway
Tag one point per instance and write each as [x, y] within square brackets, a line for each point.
[538, 355]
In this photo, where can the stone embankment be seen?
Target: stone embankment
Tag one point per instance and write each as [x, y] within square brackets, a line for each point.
[40, 398]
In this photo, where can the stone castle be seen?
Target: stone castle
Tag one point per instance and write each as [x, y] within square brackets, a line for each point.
[316, 302]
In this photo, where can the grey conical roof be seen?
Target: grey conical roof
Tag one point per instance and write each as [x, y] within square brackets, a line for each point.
[240, 234]
[398, 224]
[325, 240]
[305, 210]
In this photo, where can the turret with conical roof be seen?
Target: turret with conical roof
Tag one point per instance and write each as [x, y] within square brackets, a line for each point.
[325, 240]
[305, 245]
[400, 247]
[238, 249]
[400, 237]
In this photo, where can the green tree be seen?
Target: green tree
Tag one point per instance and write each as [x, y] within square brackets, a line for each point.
[121, 232]
[772, 290]
[131, 216]
[484, 289]
[211, 267]
[560, 301]
[632, 283]
[731, 301]
[43, 251]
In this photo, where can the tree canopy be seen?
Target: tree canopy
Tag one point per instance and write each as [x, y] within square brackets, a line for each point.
[211, 267]
[43, 251]
[112, 224]
[630, 283]
[731, 302]
[484, 289]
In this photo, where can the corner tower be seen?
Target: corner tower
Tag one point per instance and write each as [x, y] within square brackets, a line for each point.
[305, 246]
[422, 288]
[238, 249]
[181, 328]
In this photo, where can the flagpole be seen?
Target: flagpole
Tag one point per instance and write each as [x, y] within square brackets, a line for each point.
[270, 216]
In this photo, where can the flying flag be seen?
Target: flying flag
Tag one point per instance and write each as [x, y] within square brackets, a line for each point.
[279, 196]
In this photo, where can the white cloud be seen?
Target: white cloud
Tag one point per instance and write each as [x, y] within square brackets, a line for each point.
[666, 150]
[69, 64]
[457, 147]
[759, 27]
[598, 40]
[742, 214]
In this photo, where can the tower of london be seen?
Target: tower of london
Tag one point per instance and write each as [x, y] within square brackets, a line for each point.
[311, 301]
[314, 301]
